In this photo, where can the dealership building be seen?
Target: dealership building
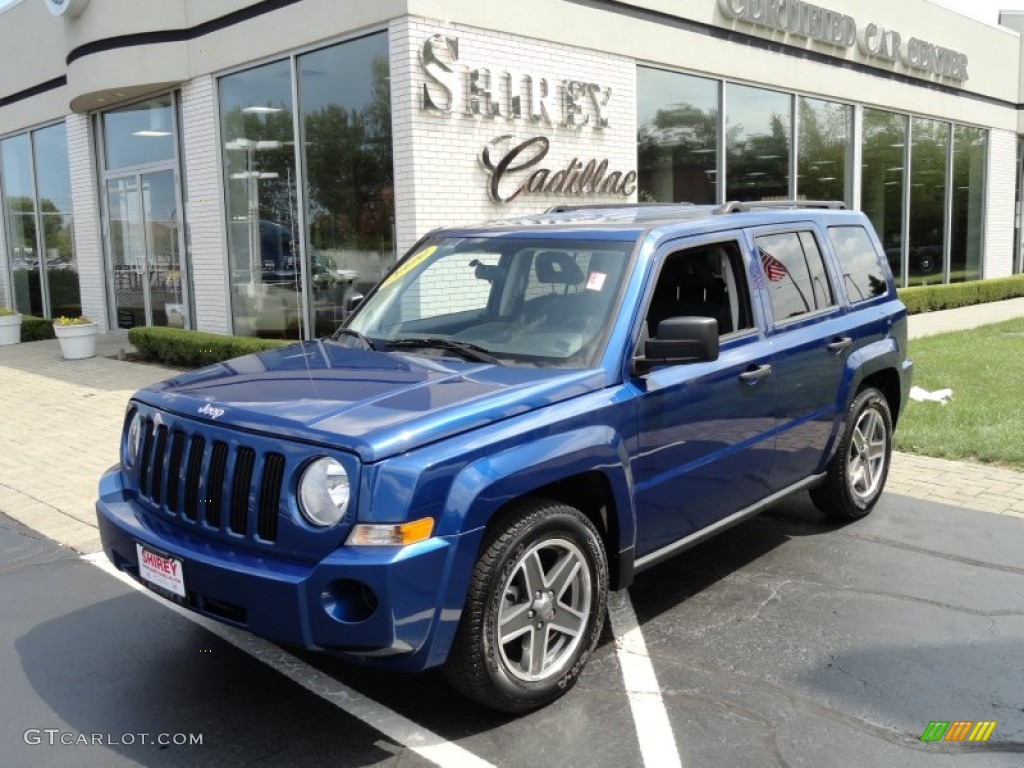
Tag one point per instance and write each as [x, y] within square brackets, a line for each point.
[248, 167]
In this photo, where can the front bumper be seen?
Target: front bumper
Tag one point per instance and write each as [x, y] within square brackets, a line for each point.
[372, 603]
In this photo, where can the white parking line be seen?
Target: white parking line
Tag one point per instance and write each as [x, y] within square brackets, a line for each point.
[399, 729]
[653, 730]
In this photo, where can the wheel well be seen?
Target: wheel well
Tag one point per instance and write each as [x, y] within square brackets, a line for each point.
[591, 494]
[888, 383]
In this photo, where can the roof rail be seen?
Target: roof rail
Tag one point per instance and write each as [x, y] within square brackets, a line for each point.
[735, 206]
[603, 206]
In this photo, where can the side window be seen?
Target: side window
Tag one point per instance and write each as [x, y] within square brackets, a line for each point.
[863, 276]
[706, 281]
[796, 279]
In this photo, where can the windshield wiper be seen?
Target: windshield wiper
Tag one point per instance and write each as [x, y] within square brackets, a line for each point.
[355, 335]
[467, 351]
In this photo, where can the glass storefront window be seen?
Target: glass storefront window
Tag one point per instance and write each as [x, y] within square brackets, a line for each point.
[677, 138]
[139, 134]
[258, 153]
[823, 139]
[20, 207]
[882, 173]
[53, 187]
[758, 130]
[966, 241]
[345, 98]
[36, 185]
[930, 141]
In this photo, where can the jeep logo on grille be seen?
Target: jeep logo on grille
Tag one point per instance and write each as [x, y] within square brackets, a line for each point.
[212, 411]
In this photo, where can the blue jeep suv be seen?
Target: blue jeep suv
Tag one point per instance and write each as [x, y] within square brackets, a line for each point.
[519, 417]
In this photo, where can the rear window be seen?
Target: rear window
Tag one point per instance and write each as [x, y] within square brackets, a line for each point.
[863, 275]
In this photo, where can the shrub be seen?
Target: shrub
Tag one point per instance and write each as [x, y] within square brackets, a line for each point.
[193, 349]
[36, 328]
[930, 298]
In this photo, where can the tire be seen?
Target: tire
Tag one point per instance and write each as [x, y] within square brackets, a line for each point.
[541, 581]
[858, 471]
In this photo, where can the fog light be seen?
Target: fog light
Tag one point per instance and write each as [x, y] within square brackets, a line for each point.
[348, 600]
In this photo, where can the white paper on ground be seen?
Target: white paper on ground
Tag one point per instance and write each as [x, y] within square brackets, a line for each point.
[938, 396]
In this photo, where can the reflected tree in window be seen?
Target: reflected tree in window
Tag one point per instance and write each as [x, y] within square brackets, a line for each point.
[883, 172]
[969, 150]
[757, 143]
[824, 141]
[927, 200]
[677, 138]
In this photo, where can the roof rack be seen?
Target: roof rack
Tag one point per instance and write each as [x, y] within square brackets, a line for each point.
[603, 206]
[735, 206]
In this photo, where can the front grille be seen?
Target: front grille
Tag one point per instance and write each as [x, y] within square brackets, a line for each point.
[187, 476]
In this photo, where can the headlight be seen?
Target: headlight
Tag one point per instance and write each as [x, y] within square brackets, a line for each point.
[133, 443]
[324, 492]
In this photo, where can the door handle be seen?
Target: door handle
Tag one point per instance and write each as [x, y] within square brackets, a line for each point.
[756, 374]
[839, 344]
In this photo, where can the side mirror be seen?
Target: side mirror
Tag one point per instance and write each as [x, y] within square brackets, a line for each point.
[353, 301]
[680, 340]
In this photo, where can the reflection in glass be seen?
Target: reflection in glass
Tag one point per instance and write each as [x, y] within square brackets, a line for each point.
[758, 128]
[345, 93]
[927, 200]
[139, 133]
[127, 250]
[824, 141]
[884, 144]
[53, 187]
[259, 175]
[677, 137]
[969, 149]
[19, 202]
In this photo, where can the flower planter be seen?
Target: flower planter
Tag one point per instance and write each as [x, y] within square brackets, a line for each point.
[76, 341]
[10, 329]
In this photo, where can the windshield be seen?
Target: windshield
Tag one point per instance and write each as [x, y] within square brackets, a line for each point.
[529, 301]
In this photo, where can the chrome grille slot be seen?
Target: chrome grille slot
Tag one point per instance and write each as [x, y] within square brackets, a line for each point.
[192, 473]
[270, 496]
[174, 470]
[215, 483]
[158, 465]
[144, 463]
[245, 462]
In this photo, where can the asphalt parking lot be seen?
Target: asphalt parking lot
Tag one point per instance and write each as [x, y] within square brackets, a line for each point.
[787, 641]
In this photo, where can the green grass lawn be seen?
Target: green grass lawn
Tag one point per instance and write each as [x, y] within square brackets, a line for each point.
[985, 419]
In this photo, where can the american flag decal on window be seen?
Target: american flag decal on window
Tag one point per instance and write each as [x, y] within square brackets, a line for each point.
[773, 268]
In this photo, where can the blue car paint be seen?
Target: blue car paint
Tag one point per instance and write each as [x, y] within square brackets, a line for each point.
[457, 441]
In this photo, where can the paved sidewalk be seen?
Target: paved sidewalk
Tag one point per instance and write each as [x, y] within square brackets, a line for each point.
[60, 427]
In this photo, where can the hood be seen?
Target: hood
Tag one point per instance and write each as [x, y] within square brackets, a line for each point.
[375, 404]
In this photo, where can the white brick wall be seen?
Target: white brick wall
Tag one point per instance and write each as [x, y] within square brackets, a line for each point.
[439, 179]
[204, 205]
[86, 209]
[1000, 196]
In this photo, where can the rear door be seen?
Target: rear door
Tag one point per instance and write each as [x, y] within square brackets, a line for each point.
[705, 429]
[812, 335]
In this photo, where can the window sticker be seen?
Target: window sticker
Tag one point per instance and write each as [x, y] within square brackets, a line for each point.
[410, 264]
[595, 281]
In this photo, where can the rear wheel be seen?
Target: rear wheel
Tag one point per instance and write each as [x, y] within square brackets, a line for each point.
[535, 608]
[858, 471]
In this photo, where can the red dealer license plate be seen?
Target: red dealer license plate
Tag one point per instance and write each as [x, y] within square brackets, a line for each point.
[160, 571]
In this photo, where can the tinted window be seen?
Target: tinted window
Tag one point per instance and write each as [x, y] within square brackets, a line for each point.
[795, 276]
[705, 281]
[863, 277]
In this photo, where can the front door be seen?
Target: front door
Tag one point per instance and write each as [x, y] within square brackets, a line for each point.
[706, 429]
[144, 236]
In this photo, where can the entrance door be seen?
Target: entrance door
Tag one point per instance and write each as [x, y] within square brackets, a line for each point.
[145, 250]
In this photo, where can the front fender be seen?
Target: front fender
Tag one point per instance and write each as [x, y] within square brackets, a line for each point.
[484, 486]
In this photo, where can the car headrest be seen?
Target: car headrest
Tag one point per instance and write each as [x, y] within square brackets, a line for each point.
[557, 267]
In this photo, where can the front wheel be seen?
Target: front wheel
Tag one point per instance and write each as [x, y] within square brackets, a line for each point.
[535, 608]
[857, 473]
